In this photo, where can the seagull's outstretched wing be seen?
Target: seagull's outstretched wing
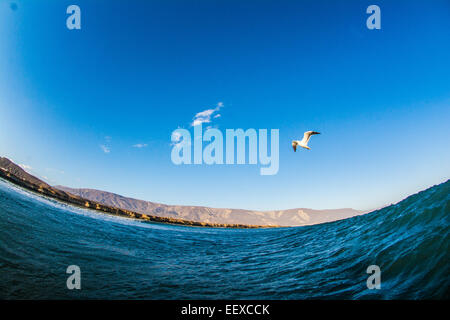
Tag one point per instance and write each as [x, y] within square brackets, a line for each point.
[307, 135]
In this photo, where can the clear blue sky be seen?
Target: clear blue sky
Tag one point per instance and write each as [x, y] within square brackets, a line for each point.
[137, 70]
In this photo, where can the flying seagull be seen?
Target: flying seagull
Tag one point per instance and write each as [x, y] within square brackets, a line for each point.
[304, 143]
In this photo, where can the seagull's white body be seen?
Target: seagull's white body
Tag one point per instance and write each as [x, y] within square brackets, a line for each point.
[304, 142]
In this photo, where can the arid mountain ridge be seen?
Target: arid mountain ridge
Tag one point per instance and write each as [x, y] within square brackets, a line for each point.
[187, 215]
[291, 217]
[18, 176]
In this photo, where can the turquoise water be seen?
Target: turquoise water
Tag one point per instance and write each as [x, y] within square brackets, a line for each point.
[127, 259]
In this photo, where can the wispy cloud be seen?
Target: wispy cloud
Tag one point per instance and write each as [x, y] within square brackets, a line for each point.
[205, 116]
[30, 170]
[140, 145]
[106, 146]
[176, 136]
[25, 166]
[105, 149]
[176, 140]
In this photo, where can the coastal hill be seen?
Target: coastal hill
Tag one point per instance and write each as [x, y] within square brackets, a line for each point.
[16, 175]
[291, 217]
[18, 172]
[111, 203]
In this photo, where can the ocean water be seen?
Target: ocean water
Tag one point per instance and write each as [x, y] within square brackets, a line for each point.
[122, 258]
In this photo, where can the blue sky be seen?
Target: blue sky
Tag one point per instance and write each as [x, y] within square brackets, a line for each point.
[137, 70]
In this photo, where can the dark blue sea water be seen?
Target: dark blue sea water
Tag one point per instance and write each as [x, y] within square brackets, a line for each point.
[127, 259]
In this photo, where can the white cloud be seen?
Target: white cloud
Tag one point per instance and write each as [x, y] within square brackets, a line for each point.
[140, 145]
[205, 116]
[176, 136]
[106, 146]
[25, 167]
[105, 149]
[176, 140]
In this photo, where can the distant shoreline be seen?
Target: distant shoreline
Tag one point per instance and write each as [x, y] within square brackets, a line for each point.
[44, 189]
